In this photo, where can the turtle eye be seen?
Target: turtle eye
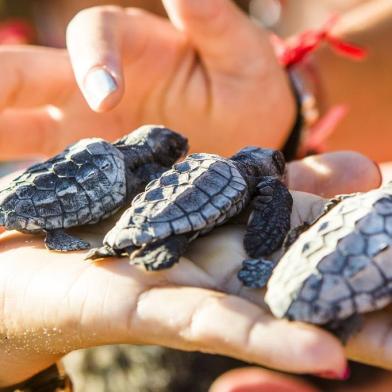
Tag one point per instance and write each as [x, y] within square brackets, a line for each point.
[105, 165]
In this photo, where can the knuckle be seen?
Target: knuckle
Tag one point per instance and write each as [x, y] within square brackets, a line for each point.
[199, 328]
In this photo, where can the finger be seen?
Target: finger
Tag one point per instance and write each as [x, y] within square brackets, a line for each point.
[32, 76]
[27, 133]
[256, 379]
[104, 40]
[373, 343]
[226, 39]
[334, 173]
[94, 41]
[199, 319]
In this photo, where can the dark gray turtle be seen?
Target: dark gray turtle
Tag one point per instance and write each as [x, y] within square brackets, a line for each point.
[196, 195]
[87, 182]
[332, 272]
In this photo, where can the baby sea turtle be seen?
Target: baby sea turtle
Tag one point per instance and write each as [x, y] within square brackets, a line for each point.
[197, 194]
[87, 182]
[334, 271]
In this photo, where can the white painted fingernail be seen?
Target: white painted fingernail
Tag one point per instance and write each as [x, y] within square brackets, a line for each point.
[98, 85]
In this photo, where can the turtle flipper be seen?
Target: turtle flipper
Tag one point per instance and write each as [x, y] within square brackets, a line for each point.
[344, 329]
[255, 273]
[269, 221]
[161, 254]
[60, 241]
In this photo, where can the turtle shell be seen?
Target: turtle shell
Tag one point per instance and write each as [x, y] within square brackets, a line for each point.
[197, 194]
[332, 271]
[81, 185]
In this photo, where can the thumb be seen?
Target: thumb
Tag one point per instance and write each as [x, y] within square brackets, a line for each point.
[225, 38]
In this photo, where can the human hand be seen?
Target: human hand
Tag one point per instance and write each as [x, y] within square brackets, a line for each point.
[210, 73]
[372, 344]
[51, 303]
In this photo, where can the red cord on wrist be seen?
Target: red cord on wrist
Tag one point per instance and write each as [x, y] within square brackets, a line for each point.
[294, 51]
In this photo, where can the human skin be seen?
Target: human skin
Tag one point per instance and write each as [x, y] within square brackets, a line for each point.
[364, 87]
[207, 83]
[203, 82]
[53, 303]
[256, 379]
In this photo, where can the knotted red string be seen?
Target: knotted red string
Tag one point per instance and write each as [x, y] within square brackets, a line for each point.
[294, 51]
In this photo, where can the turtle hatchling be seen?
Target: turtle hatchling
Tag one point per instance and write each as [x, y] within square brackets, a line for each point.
[335, 270]
[87, 182]
[197, 194]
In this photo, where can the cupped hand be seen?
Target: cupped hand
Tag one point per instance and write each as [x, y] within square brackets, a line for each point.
[53, 303]
[208, 72]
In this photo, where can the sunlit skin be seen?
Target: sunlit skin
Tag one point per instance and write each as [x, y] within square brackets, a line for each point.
[250, 95]
[220, 93]
[206, 83]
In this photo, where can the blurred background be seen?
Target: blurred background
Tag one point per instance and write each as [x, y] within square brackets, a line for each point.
[44, 21]
[155, 369]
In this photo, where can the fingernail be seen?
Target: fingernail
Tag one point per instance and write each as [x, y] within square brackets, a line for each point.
[331, 375]
[98, 85]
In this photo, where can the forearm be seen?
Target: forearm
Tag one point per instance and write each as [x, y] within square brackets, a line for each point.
[365, 87]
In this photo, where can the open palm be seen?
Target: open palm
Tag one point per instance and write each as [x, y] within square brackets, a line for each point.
[53, 303]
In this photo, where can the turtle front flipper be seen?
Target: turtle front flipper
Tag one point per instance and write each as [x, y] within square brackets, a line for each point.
[161, 254]
[255, 273]
[60, 241]
[269, 221]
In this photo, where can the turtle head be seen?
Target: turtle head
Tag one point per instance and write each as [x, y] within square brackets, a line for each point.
[154, 143]
[259, 162]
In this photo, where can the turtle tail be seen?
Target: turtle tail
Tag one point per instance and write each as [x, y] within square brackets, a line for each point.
[101, 253]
